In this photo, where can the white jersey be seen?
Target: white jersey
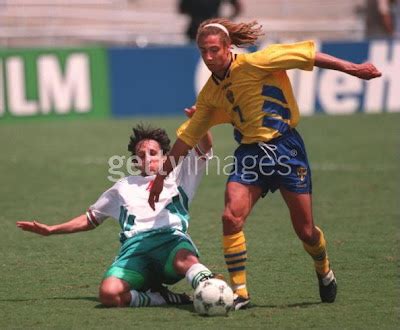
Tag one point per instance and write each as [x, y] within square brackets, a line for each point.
[127, 200]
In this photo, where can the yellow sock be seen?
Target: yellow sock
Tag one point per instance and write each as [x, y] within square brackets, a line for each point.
[319, 254]
[235, 258]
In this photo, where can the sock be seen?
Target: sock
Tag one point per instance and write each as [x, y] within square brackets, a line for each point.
[328, 278]
[145, 299]
[235, 254]
[196, 273]
[319, 254]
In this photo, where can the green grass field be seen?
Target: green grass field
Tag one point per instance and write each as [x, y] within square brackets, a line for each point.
[52, 171]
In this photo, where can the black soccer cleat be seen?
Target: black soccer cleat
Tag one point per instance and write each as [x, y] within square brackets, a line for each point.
[327, 287]
[172, 298]
[240, 302]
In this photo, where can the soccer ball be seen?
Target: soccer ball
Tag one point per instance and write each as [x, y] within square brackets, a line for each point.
[213, 297]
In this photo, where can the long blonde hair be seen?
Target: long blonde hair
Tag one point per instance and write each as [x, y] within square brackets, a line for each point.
[240, 34]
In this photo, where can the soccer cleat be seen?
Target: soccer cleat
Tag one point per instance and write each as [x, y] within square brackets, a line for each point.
[172, 298]
[240, 302]
[327, 287]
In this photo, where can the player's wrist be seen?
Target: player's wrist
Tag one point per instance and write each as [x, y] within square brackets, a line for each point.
[49, 230]
[163, 172]
[161, 175]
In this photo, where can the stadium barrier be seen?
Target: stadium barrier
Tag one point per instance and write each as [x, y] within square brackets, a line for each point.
[99, 82]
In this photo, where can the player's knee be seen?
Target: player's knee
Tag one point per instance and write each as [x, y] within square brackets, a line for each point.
[109, 297]
[184, 259]
[232, 224]
[307, 235]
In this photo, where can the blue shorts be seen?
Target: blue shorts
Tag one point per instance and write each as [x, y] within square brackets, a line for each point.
[281, 162]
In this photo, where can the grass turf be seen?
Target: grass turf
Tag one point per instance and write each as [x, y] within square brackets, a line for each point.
[52, 171]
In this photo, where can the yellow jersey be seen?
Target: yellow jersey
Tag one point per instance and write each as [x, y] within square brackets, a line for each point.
[255, 95]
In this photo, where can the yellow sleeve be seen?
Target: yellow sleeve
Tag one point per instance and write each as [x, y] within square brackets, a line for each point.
[277, 57]
[192, 130]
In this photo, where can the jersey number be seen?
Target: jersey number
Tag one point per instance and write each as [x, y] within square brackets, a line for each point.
[126, 221]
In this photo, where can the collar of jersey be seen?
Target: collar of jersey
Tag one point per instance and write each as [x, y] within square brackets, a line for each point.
[227, 73]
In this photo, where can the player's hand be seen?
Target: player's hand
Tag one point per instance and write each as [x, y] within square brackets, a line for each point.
[34, 227]
[190, 111]
[367, 71]
[155, 191]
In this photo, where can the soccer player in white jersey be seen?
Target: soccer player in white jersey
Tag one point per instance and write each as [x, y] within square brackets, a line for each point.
[155, 246]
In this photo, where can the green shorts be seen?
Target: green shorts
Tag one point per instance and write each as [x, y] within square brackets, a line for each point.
[146, 260]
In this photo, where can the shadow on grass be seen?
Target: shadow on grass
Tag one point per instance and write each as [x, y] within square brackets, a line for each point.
[188, 308]
[295, 305]
[51, 298]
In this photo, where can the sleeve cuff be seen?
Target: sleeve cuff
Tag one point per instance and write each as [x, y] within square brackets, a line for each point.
[92, 219]
[312, 56]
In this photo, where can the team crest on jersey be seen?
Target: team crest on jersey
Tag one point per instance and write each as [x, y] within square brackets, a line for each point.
[301, 173]
[229, 96]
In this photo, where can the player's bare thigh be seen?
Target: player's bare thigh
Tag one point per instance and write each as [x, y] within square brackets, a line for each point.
[239, 201]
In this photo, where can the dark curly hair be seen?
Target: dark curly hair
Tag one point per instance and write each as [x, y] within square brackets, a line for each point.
[142, 132]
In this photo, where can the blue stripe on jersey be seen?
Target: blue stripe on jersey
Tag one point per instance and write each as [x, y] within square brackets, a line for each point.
[236, 269]
[276, 109]
[275, 123]
[235, 254]
[237, 135]
[273, 92]
[235, 261]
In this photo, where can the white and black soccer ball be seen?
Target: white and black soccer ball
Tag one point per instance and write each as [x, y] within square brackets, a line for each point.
[213, 297]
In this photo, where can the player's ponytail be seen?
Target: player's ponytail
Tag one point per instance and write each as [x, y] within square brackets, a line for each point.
[239, 34]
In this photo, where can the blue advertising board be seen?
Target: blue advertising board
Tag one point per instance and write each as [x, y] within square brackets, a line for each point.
[152, 81]
[338, 93]
[163, 81]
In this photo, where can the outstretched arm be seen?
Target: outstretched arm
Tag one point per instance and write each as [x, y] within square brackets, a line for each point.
[365, 71]
[205, 143]
[75, 225]
[179, 149]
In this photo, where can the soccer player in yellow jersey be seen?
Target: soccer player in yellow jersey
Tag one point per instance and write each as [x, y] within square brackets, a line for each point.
[253, 93]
